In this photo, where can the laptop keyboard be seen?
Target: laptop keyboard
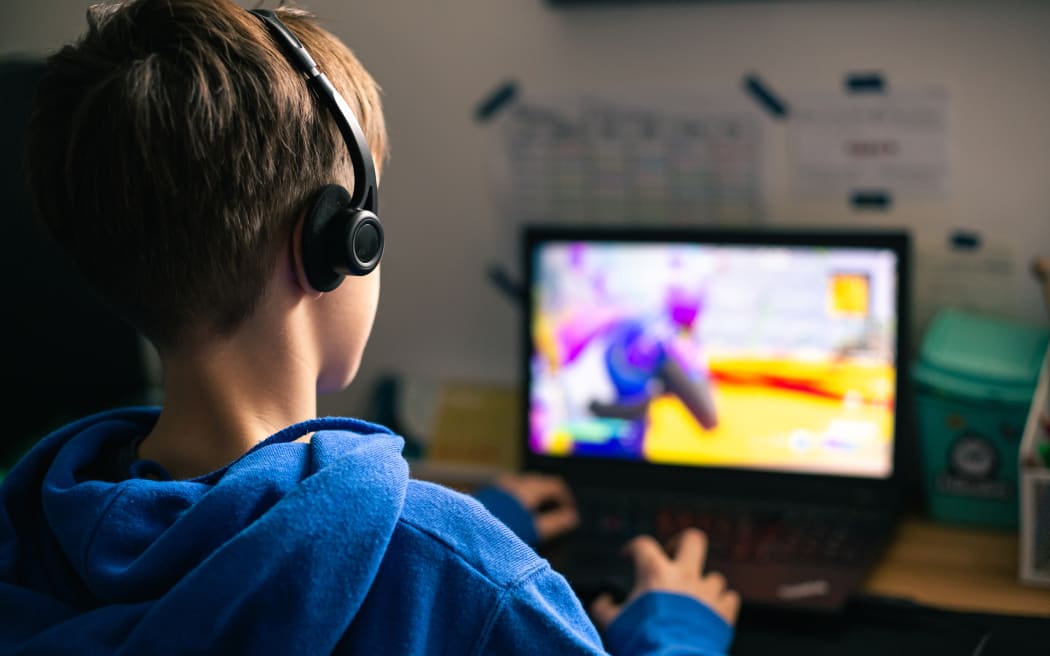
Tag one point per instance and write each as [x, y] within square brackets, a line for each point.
[739, 531]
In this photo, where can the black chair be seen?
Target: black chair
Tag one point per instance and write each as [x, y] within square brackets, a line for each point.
[66, 353]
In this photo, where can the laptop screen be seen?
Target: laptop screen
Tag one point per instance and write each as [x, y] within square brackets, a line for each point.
[774, 357]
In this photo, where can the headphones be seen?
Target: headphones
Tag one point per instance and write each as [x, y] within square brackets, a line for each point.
[342, 235]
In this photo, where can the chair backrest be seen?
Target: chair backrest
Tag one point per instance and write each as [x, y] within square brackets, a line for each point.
[65, 352]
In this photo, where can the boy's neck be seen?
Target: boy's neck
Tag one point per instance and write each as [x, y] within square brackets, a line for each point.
[221, 402]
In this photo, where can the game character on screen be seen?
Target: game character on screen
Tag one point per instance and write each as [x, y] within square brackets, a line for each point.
[648, 358]
[644, 357]
[213, 173]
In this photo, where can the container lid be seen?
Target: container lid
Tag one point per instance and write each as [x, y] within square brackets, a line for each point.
[981, 357]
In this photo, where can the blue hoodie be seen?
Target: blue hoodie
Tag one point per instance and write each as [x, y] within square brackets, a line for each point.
[294, 548]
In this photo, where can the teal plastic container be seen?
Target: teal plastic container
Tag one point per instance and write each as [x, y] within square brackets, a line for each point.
[974, 382]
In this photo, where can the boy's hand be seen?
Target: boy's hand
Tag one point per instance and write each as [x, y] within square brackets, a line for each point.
[548, 499]
[680, 573]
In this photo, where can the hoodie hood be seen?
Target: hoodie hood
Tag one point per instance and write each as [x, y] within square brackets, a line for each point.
[140, 565]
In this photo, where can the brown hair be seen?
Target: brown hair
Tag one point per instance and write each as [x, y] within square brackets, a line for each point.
[172, 148]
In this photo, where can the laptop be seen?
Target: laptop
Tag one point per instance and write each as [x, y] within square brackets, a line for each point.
[743, 382]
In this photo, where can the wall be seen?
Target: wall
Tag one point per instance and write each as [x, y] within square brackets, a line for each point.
[440, 317]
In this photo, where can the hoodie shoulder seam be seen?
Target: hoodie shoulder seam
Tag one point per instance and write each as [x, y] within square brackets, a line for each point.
[505, 589]
[513, 582]
[501, 603]
[94, 530]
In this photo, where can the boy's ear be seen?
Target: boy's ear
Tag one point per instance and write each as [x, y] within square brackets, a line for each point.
[296, 256]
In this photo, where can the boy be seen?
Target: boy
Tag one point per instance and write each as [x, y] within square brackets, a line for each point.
[180, 156]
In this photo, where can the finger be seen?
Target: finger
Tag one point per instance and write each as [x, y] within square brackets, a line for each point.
[715, 582]
[646, 553]
[509, 483]
[729, 606]
[556, 522]
[533, 490]
[550, 489]
[604, 610]
[690, 551]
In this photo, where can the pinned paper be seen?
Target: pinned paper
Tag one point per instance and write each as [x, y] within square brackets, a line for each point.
[607, 160]
[894, 144]
[969, 271]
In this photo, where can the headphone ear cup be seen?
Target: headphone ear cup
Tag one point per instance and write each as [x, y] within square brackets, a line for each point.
[327, 206]
[364, 237]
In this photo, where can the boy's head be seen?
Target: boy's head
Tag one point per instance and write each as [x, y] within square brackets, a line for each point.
[173, 149]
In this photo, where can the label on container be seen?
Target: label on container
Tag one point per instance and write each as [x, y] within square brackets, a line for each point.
[958, 486]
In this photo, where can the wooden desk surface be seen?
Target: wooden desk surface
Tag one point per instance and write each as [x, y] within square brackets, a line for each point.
[958, 568]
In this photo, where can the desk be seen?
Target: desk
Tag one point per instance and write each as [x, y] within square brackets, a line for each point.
[939, 565]
[934, 564]
[957, 568]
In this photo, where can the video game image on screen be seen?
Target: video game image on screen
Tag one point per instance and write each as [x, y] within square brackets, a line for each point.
[767, 358]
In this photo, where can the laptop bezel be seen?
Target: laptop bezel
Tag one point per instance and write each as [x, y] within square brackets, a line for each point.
[885, 493]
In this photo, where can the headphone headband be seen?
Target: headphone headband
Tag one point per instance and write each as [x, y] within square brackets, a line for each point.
[366, 194]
